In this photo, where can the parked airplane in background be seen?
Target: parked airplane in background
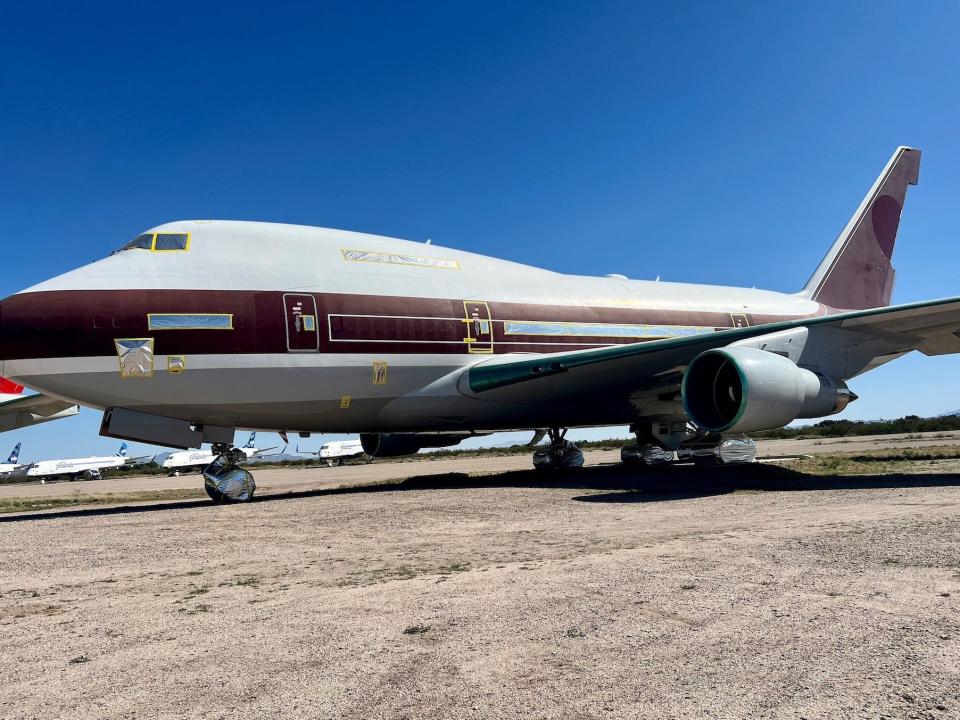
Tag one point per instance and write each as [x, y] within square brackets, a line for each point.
[81, 468]
[13, 462]
[183, 460]
[196, 328]
[336, 451]
[19, 411]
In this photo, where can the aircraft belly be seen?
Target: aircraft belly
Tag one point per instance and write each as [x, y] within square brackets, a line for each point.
[307, 394]
[315, 393]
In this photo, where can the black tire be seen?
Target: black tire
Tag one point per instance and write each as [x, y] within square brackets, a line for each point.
[219, 498]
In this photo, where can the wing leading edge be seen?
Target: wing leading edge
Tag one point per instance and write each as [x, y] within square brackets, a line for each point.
[931, 327]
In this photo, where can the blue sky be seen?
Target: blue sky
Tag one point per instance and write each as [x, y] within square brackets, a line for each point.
[724, 143]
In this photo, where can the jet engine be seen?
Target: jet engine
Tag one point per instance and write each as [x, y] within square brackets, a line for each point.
[396, 444]
[743, 389]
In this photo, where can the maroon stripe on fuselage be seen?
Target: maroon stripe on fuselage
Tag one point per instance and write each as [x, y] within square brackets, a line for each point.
[85, 323]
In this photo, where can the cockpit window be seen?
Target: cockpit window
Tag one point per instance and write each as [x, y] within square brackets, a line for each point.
[159, 242]
[172, 241]
[143, 242]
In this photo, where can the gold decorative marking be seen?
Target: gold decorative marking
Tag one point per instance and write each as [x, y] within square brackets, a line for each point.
[379, 372]
[344, 402]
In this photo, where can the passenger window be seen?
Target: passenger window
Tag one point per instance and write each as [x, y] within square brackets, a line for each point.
[172, 241]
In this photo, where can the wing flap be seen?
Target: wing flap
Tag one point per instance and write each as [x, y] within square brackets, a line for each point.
[933, 329]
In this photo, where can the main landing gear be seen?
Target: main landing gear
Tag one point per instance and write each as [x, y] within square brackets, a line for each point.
[710, 449]
[224, 480]
[561, 454]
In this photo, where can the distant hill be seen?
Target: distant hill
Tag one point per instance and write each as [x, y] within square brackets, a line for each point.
[845, 428]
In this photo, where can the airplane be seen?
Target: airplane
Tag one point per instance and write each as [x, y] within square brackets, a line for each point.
[336, 451]
[13, 462]
[80, 468]
[196, 328]
[18, 410]
[190, 459]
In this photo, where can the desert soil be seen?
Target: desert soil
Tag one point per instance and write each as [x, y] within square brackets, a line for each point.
[304, 479]
[752, 592]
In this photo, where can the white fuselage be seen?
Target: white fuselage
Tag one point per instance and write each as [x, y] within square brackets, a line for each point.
[340, 449]
[196, 458]
[187, 458]
[74, 466]
[335, 331]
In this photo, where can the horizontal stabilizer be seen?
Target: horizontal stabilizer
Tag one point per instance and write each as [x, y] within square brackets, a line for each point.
[21, 412]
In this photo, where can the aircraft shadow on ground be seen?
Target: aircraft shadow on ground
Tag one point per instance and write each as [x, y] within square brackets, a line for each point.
[622, 485]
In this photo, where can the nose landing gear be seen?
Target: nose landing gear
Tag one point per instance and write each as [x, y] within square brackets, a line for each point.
[224, 480]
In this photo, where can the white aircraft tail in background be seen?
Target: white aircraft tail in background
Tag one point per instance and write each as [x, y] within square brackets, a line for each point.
[13, 462]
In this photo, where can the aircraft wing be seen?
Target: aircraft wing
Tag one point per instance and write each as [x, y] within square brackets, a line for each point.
[30, 410]
[852, 342]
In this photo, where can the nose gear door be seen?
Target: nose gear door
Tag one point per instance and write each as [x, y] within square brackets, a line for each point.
[479, 335]
[301, 314]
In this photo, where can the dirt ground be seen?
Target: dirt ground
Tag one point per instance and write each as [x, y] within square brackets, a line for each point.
[751, 592]
[303, 479]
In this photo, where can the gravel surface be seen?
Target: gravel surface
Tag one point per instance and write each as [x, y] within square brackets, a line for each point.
[688, 593]
[302, 479]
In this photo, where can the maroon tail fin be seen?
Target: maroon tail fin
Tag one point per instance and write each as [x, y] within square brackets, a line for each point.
[857, 273]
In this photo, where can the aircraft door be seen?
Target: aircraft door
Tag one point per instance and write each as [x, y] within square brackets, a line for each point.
[479, 335]
[301, 319]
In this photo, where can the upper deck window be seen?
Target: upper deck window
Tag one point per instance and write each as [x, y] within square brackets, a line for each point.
[159, 242]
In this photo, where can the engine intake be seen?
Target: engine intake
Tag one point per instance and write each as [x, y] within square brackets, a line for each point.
[743, 389]
[396, 444]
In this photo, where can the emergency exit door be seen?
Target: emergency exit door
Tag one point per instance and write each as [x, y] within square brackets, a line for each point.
[301, 314]
[479, 335]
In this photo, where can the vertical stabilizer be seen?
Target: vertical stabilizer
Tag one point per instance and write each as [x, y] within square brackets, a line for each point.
[857, 272]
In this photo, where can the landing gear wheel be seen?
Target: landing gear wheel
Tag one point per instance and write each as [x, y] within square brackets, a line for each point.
[227, 482]
[716, 450]
[561, 454]
[645, 455]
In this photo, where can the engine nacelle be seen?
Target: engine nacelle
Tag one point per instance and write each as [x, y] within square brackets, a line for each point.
[743, 389]
[396, 444]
